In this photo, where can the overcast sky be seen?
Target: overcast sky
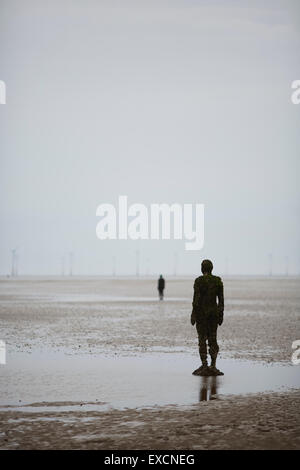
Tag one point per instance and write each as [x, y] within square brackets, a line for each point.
[185, 101]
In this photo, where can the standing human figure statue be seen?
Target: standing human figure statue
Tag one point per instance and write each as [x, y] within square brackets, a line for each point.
[160, 286]
[207, 313]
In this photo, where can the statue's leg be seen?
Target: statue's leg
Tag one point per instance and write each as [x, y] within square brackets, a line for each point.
[213, 347]
[212, 342]
[202, 338]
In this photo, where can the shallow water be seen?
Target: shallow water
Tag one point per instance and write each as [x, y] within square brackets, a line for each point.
[61, 382]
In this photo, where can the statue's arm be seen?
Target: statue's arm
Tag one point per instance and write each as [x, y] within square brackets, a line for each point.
[221, 302]
[195, 302]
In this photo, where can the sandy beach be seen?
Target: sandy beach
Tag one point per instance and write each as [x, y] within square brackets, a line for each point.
[142, 143]
[102, 364]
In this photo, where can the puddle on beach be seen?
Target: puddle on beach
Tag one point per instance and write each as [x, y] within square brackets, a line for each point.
[58, 382]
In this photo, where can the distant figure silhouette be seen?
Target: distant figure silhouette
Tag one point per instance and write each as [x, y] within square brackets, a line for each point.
[160, 287]
[207, 314]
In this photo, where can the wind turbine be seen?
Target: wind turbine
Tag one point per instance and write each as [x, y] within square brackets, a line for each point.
[71, 256]
[175, 263]
[14, 262]
[114, 266]
[270, 264]
[137, 270]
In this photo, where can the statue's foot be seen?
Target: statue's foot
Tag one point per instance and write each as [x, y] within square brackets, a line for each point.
[214, 371]
[202, 370]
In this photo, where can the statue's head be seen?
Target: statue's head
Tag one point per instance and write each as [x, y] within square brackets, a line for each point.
[206, 266]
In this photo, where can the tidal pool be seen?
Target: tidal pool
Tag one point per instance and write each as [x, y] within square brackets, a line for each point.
[56, 381]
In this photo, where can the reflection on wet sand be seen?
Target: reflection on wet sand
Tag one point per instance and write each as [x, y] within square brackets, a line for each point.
[156, 379]
[208, 388]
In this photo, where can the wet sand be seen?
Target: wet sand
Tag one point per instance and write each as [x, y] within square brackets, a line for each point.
[264, 421]
[124, 317]
[121, 324]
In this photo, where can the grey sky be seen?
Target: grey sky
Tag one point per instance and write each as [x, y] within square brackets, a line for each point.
[163, 101]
